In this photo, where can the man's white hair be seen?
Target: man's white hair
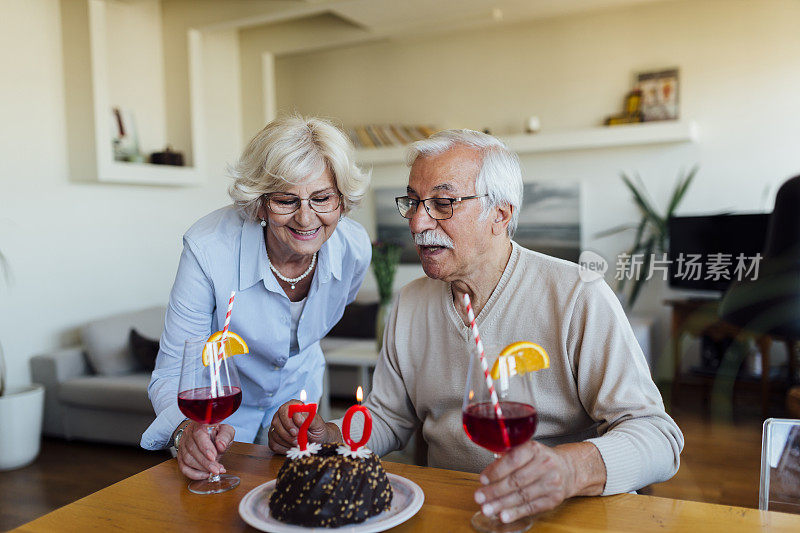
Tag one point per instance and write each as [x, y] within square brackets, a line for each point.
[500, 175]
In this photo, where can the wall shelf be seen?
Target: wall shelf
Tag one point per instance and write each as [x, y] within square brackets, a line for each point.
[558, 141]
[147, 174]
[88, 122]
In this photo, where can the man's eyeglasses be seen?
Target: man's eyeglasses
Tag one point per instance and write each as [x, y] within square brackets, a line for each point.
[438, 208]
[286, 204]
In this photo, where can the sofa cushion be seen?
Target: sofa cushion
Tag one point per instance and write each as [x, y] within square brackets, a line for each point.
[144, 350]
[114, 393]
[107, 340]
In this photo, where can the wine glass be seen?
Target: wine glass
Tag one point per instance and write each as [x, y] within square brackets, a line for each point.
[208, 393]
[498, 434]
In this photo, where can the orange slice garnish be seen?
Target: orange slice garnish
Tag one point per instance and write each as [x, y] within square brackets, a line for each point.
[520, 358]
[235, 343]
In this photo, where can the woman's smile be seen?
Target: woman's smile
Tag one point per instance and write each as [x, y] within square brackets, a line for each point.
[304, 235]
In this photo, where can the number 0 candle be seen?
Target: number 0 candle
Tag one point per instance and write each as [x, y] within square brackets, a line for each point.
[311, 410]
[348, 417]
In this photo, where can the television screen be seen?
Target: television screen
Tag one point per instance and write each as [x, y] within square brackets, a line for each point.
[709, 252]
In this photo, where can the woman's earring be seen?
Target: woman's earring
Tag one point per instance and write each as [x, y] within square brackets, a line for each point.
[263, 223]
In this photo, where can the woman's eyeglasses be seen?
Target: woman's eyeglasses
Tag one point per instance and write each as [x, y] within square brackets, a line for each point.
[286, 204]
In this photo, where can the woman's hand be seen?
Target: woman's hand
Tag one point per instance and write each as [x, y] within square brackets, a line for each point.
[284, 429]
[198, 456]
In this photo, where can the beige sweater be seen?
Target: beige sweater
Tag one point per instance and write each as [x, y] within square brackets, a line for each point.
[598, 387]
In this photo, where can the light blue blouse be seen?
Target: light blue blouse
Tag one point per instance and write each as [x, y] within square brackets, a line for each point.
[222, 252]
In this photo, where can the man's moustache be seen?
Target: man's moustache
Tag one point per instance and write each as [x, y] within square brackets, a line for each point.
[432, 238]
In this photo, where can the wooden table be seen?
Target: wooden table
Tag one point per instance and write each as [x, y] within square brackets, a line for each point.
[157, 500]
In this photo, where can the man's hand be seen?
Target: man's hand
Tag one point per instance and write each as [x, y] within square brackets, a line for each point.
[284, 429]
[533, 478]
[198, 455]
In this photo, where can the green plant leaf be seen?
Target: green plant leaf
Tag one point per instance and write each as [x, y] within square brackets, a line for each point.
[658, 222]
[680, 189]
[639, 281]
[644, 205]
[614, 230]
[652, 230]
[385, 258]
[637, 241]
[637, 246]
[636, 249]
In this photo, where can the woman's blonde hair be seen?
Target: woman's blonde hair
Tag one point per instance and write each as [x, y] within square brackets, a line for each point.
[289, 151]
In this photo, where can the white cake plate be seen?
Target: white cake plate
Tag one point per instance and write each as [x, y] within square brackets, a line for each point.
[406, 501]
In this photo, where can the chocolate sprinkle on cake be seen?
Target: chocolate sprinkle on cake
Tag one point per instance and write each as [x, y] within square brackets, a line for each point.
[330, 490]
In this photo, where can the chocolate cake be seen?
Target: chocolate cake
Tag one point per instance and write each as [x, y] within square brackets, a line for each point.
[327, 489]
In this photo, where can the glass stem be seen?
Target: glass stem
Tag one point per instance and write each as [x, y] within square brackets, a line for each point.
[212, 478]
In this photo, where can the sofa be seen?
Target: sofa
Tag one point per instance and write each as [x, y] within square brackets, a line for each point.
[97, 391]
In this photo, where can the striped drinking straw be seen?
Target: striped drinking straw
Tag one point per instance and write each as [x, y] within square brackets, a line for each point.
[227, 323]
[224, 335]
[228, 316]
[489, 383]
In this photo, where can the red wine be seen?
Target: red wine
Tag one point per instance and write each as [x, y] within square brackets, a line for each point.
[483, 427]
[200, 406]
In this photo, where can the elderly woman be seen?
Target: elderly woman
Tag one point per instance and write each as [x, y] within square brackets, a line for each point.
[294, 260]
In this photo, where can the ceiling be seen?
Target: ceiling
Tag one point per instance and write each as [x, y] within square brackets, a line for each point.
[388, 16]
[382, 18]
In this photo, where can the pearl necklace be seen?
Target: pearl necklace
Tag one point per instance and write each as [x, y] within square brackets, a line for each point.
[293, 281]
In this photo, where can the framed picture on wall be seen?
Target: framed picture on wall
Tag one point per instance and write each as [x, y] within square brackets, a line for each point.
[549, 221]
[659, 93]
[391, 226]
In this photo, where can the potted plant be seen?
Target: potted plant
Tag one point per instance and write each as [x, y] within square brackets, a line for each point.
[20, 414]
[652, 231]
[385, 258]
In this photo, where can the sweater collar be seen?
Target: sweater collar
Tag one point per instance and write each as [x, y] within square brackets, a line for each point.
[485, 313]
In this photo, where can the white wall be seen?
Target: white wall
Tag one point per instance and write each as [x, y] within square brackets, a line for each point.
[303, 34]
[83, 251]
[178, 16]
[739, 64]
[136, 68]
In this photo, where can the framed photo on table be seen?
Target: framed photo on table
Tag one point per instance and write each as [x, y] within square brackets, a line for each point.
[659, 93]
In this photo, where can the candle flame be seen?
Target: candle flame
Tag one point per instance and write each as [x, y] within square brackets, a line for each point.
[471, 395]
[359, 394]
[303, 396]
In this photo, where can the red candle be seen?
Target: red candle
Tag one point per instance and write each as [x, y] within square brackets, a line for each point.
[367, 423]
[311, 409]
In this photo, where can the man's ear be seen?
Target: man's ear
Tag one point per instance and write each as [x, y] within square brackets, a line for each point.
[502, 218]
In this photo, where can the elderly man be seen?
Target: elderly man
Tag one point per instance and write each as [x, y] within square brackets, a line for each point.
[602, 425]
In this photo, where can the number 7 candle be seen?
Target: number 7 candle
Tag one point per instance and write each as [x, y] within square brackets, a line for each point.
[303, 448]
